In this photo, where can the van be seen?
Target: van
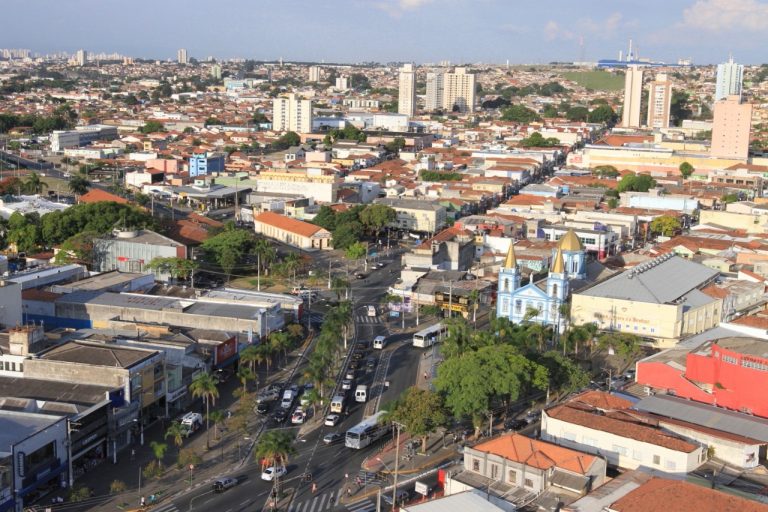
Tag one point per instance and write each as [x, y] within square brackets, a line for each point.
[190, 422]
[337, 404]
[361, 393]
[371, 310]
[222, 484]
[288, 397]
[379, 342]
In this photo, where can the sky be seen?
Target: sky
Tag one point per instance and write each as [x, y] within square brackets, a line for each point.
[459, 31]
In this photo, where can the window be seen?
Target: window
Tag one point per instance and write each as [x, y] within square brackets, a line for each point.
[529, 483]
[505, 306]
[621, 450]
[512, 476]
[637, 455]
[656, 460]
[518, 306]
[475, 465]
[670, 464]
[554, 290]
[506, 285]
[494, 471]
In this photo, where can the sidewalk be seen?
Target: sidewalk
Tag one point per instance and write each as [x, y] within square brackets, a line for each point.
[227, 454]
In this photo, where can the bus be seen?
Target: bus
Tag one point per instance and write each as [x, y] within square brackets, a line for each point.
[429, 336]
[366, 432]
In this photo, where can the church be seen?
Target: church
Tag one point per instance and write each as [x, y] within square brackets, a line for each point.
[544, 297]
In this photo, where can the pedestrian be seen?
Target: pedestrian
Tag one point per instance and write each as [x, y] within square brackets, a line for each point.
[349, 491]
[314, 487]
[133, 453]
[426, 376]
[143, 501]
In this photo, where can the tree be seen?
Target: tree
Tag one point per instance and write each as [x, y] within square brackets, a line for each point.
[729, 198]
[229, 248]
[176, 433]
[602, 114]
[564, 374]
[287, 140]
[79, 185]
[666, 225]
[244, 375]
[159, 449]
[420, 412]
[577, 113]
[680, 109]
[32, 185]
[549, 112]
[626, 346]
[281, 342]
[117, 486]
[686, 170]
[356, 251]
[204, 386]
[216, 417]
[537, 140]
[177, 268]
[340, 285]
[519, 114]
[636, 183]
[274, 448]
[377, 216]
[396, 145]
[152, 127]
[606, 171]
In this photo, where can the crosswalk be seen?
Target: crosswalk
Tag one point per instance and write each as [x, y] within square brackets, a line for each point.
[168, 507]
[365, 505]
[322, 502]
[365, 319]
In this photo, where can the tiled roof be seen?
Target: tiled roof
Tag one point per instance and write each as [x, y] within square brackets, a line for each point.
[680, 496]
[538, 454]
[602, 400]
[96, 195]
[287, 224]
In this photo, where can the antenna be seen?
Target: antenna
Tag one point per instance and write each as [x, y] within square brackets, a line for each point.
[581, 48]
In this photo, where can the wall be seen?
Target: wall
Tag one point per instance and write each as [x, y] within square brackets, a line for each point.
[734, 453]
[750, 223]
[10, 304]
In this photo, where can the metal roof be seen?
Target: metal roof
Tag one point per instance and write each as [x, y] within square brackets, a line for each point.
[661, 281]
[706, 416]
[461, 502]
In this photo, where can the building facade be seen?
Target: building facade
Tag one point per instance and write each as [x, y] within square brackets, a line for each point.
[459, 92]
[731, 128]
[293, 232]
[659, 102]
[314, 73]
[181, 56]
[414, 215]
[292, 114]
[434, 99]
[729, 79]
[203, 164]
[407, 93]
[633, 91]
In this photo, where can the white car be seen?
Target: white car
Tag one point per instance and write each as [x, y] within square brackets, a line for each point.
[271, 472]
[332, 420]
[298, 417]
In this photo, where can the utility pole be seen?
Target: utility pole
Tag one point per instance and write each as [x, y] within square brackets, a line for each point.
[450, 299]
[397, 466]
[329, 274]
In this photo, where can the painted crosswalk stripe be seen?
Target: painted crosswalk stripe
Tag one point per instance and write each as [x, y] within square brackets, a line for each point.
[362, 506]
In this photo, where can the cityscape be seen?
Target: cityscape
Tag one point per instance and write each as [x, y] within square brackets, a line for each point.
[398, 269]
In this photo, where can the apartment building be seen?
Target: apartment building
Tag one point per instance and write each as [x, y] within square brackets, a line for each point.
[451, 91]
[292, 114]
[730, 128]
[633, 91]
[415, 215]
[314, 183]
[407, 92]
[659, 102]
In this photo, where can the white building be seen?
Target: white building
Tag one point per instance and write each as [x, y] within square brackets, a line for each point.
[407, 97]
[314, 73]
[292, 114]
[416, 215]
[310, 182]
[342, 83]
[659, 102]
[633, 92]
[729, 78]
[181, 56]
[81, 57]
[434, 100]
[459, 91]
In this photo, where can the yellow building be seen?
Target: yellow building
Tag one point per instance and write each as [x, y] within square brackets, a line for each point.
[645, 158]
[660, 301]
[751, 223]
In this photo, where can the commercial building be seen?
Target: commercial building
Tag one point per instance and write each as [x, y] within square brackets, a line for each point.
[132, 251]
[660, 300]
[314, 183]
[729, 79]
[451, 249]
[730, 128]
[293, 232]
[203, 164]
[415, 215]
[599, 423]
[633, 91]
[292, 114]
[81, 136]
[181, 56]
[407, 91]
[659, 102]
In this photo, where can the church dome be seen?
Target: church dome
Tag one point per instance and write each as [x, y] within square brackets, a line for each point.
[570, 242]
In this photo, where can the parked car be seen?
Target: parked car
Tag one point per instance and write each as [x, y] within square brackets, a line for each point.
[370, 363]
[268, 395]
[222, 484]
[262, 407]
[332, 437]
[347, 383]
[513, 424]
[299, 415]
[271, 472]
[332, 420]
[280, 415]
[351, 374]
[403, 496]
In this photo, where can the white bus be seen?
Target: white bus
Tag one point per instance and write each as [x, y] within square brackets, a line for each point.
[366, 432]
[379, 342]
[429, 336]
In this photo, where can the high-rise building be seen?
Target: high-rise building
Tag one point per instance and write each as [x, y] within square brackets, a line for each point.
[181, 56]
[659, 102]
[729, 77]
[434, 99]
[314, 73]
[407, 98]
[292, 114]
[633, 92]
[342, 83]
[81, 57]
[216, 72]
[459, 91]
[730, 128]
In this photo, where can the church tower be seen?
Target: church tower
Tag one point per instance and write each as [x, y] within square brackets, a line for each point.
[557, 282]
[509, 282]
[574, 256]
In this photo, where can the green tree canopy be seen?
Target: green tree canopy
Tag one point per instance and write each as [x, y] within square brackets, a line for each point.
[577, 113]
[666, 225]
[519, 114]
[356, 251]
[686, 170]
[606, 171]
[152, 127]
[536, 140]
[375, 217]
[636, 183]
[602, 114]
[229, 248]
[420, 412]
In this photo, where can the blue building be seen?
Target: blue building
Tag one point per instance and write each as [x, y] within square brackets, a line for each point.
[545, 296]
[203, 164]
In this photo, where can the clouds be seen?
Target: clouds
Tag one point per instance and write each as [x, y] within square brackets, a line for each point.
[584, 27]
[726, 15]
[396, 8]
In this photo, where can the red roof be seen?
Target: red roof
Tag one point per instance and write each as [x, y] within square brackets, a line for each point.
[287, 224]
[538, 454]
[96, 195]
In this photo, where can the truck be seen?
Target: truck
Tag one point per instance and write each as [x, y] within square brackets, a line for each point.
[191, 422]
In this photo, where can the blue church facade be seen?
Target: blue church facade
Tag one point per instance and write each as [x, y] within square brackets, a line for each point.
[515, 300]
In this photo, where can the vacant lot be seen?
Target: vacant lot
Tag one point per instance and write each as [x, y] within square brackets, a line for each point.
[596, 80]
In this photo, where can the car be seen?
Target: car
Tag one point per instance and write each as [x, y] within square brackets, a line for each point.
[332, 420]
[362, 345]
[332, 437]
[513, 424]
[347, 383]
[298, 416]
[360, 275]
[262, 407]
[222, 484]
[356, 356]
[280, 415]
[402, 496]
[268, 395]
[532, 416]
[379, 264]
[271, 472]
[351, 374]
[354, 364]
[294, 387]
[370, 363]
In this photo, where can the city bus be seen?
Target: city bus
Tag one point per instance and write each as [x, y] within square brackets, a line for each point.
[429, 336]
[366, 432]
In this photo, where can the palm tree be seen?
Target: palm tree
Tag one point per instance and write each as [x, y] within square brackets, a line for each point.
[266, 351]
[295, 331]
[244, 374]
[273, 449]
[265, 254]
[250, 356]
[474, 299]
[291, 262]
[33, 185]
[159, 450]
[281, 342]
[204, 386]
[339, 285]
[344, 316]
[216, 417]
[313, 397]
[79, 185]
[176, 433]
[317, 372]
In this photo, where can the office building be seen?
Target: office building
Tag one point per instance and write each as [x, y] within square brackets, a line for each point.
[314, 73]
[434, 100]
[407, 98]
[459, 91]
[659, 102]
[292, 114]
[730, 128]
[729, 77]
[181, 56]
[633, 92]
[81, 57]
